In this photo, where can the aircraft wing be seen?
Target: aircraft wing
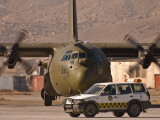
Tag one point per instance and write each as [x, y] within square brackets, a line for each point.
[32, 49]
[124, 49]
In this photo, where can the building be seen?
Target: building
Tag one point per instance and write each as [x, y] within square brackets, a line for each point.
[148, 76]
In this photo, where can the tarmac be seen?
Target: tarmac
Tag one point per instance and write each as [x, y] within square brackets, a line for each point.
[30, 107]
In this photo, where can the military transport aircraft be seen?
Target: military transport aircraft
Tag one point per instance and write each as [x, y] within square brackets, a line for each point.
[74, 66]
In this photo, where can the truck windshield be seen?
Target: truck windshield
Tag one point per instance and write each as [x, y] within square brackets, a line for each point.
[95, 89]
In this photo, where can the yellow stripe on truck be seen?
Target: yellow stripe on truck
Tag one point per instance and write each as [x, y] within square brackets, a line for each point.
[112, 105]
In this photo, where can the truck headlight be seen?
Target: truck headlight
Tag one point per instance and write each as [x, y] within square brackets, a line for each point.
[68, 101]
[78, 101]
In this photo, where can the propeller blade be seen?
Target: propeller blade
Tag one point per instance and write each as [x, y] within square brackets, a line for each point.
[14, 51]
[3, 49]
[29, 68]
[154, 45]
[130, 71]
[23, 33]
[133, 42]
[40, 64]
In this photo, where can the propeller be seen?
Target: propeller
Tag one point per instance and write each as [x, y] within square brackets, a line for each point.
[145, 57]
[13, 57]
[3, 49]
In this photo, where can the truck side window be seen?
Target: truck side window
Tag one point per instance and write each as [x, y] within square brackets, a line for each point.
[124, 89]
[138, 88]
[110, 90]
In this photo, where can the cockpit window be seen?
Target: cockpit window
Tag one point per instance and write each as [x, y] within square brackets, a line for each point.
[90, 56]
[69, 57]
[82, 55]
[69, 52]
[63, 58]
[74, 55]
[98, 55]
[66, 57]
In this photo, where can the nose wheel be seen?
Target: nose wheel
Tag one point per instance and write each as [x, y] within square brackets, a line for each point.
[47, 99]
[42, 93]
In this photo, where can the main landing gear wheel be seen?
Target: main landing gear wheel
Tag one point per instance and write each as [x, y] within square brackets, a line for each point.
[118, 114]
[47, 100]
[42, 93]
[90, 110]
[74, 115]
[134, 110]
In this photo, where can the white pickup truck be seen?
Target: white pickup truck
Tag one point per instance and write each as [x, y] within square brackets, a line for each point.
[121, 98]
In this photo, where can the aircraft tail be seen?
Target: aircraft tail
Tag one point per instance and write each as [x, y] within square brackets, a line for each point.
[72, 22]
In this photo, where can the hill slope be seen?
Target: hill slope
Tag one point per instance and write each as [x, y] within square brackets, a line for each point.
[98, 20]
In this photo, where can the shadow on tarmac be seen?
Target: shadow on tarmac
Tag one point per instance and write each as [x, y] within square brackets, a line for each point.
[152, 106]
[155, 106]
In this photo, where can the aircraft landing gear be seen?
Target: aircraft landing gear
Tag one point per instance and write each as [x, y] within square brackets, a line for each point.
[47, 99]
[42, 93]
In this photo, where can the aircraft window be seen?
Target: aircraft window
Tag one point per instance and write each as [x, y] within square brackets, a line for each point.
[74, 55]
[98, 56]
[69, 52]
[69, 57]
[65, 58]
[90, 56]
[82, 55]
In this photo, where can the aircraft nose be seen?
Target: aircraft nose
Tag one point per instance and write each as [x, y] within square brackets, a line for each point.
[80, 80]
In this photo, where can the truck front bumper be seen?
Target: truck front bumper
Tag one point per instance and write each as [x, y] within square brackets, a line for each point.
[73, 108]
[146, 105]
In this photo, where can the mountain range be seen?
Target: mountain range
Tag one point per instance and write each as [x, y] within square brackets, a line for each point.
[104, 21]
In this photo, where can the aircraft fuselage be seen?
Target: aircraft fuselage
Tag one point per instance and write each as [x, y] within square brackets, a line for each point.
[78, 66]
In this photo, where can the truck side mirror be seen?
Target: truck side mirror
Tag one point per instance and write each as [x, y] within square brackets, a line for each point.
[103, 93]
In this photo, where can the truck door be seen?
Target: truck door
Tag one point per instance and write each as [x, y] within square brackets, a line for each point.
[108, 98]
[139, 92]
[124, 95]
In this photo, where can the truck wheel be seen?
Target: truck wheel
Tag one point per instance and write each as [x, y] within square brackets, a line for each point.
[134, 110]
[118, 114]
[90, 110]
[47, 100]
[74, 115]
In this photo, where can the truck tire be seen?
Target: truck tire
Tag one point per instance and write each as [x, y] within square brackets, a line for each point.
[47, 100]
[74, 115]
[134, 110]
[90, 110]
[118, 114]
